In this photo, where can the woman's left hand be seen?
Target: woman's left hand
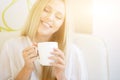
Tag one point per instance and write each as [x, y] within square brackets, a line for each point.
[58, 64]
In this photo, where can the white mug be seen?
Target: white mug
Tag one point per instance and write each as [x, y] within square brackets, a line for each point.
[44, 50]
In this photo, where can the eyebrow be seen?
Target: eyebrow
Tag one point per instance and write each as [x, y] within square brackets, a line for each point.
[48, 6]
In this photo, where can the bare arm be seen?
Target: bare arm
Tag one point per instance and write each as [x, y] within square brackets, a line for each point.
[24, 74]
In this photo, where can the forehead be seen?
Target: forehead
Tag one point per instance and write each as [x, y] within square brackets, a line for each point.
[57, 5]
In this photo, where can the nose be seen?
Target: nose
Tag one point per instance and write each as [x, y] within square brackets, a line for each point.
[51, 17]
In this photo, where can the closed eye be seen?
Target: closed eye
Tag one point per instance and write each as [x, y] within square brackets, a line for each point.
[47, 9]
[59, 16]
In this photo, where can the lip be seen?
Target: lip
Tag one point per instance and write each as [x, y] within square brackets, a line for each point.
[46, 25]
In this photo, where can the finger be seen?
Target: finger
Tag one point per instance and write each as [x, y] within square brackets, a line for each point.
[58, 52]
[34, 58]
[28, 51]
[28, 48]
[58, 66]
[35, 49]
[35, 44]
[30, 54]
[57, 60]
[33, 54]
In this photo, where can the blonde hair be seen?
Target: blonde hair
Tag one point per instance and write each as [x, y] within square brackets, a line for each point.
[31, 28]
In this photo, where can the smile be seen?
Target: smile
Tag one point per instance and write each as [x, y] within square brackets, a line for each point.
[46, 25]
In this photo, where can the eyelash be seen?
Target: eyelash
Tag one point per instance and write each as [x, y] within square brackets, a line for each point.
[57, 16]
[46, 10]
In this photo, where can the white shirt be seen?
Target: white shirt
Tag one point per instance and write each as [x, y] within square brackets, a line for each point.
[11, 61]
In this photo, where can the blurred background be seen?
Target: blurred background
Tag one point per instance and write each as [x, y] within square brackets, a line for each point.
[100, 18]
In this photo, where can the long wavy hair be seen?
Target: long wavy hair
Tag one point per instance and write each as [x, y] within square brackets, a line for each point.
[31, 28]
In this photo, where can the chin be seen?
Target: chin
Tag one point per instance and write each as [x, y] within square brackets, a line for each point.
[45, 33]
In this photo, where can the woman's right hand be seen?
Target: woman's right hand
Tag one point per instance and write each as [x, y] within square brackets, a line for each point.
[30, 55]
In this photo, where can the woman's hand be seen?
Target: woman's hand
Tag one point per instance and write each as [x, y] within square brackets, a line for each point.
[59, 64]
[30, 55]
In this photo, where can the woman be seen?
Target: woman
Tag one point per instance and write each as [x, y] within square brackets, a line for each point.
[46, 22]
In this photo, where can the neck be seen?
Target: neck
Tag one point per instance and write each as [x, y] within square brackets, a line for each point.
[42, 38]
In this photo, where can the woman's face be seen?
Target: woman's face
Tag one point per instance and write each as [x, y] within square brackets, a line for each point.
[52, 17]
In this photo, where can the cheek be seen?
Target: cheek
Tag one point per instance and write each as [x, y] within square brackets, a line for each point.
[59, 24]
[43, 15]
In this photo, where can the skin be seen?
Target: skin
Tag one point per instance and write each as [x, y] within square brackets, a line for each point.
[51, 20]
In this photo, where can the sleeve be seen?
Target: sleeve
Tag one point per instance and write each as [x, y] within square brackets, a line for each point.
[79, 69]
[5, 71]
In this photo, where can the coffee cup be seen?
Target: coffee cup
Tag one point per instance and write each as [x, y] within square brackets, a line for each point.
[44, 50]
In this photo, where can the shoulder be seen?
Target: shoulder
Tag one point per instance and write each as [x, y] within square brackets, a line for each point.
[73, 49]
[14, 41]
